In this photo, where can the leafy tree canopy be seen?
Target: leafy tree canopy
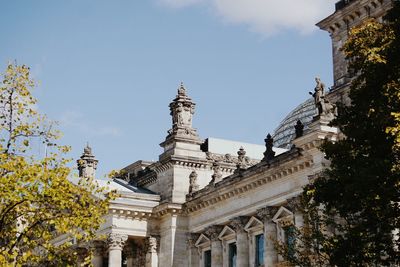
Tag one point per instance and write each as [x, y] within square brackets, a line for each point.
[38, 201]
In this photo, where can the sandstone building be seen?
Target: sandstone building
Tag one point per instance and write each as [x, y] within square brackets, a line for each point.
[220, 203]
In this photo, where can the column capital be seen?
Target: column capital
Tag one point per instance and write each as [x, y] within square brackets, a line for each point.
[238, 223]
[294, 203]
[116, 241]
[267, 213]
[213, 232]
[152, 244]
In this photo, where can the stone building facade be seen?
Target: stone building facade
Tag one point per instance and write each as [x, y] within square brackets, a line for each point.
[201, 204]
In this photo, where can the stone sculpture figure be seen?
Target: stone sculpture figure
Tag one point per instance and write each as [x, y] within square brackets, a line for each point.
[326, 109]
[319, 95]
[193, 185]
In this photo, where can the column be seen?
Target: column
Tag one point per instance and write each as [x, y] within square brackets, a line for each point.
[116, 243]
[98, 251]
[151, 255]
[242, 242]
[216, 245]
[194, 259]
[270, 253]
[128, 252]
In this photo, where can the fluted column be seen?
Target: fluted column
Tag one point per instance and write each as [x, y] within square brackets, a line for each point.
[116, 243]
[194, 260]
[98, 252]
[270, 234]
[216, 246]
[242, 242]
[151, 255]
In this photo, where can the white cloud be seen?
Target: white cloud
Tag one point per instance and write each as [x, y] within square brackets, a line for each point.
[76, 120]
[267, 17]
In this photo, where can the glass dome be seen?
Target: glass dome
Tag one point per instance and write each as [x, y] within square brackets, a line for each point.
[285, 132]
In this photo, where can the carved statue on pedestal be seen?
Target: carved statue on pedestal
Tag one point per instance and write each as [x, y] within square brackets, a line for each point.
[326, 109]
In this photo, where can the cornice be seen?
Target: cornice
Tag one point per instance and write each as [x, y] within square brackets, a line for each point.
[167, 208]
[353, 13]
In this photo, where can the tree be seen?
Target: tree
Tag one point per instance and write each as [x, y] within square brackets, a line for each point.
[38, 201]
[357, 199]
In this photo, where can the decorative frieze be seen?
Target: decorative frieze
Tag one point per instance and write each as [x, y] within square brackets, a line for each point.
[294, 204]
[212, 232]
[238, 223]
[230, 160]
[267, 213]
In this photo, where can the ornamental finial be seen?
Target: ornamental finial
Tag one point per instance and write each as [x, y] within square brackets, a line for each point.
[182, 90]
[269, 144]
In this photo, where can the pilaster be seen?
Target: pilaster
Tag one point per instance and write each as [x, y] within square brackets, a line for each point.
[270, 234]
[242, 242]
[216, 245]
[193, 250]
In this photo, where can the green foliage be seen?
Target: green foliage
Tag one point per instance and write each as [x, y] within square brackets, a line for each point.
[38, 201]
[357, 198]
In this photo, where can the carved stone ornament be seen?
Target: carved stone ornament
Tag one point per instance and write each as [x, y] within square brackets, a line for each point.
[217, 175]
[182, 110]
[117, 241]
[193, 185]
[294, 204]
[326, 109]
[87, 164]
[243, 161]
[299, 129]
[267, 213]
[238, 223]
[228, 158]
[151, 244]
[213, 232]
[191, 240]
[269, 144]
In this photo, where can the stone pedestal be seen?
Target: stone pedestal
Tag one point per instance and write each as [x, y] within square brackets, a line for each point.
[151, 255]
[116, 243]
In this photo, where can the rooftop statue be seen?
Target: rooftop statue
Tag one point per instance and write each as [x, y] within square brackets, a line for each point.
[326, 109]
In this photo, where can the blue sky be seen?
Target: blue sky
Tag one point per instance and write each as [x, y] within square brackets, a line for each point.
[107, 70]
